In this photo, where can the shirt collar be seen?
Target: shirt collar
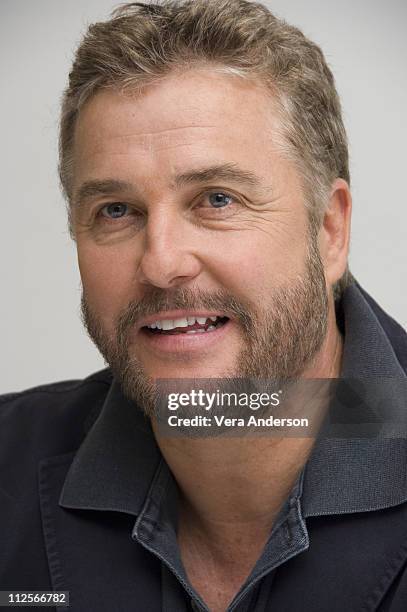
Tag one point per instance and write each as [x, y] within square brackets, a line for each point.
[116, 465]
[357, 474]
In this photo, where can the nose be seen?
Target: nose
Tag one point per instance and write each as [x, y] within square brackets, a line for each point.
[169, 256]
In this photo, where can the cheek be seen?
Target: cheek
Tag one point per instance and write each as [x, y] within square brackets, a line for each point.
[107, 278]
[256, 264]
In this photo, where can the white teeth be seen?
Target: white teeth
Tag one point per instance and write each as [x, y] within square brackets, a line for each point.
[168, 324]
[211, 327]
[181, 322]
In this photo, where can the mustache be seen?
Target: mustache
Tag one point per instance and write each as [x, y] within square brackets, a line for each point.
[161, 300]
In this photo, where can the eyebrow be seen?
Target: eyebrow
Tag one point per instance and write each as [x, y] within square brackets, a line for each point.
[230, 172]
[94, 188]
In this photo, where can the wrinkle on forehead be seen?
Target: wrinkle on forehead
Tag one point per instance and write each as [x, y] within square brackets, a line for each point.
[147, 144]
[178, 124]
[175, 105]
[165, 139]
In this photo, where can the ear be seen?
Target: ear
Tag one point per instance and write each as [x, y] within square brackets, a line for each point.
[335, 231]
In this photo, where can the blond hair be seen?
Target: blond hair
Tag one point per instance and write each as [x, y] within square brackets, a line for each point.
[145, 42]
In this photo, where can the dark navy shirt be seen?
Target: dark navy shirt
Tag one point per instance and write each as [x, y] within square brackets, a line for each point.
[119, 468]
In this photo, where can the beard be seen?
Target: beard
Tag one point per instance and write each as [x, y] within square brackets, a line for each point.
[279, 343]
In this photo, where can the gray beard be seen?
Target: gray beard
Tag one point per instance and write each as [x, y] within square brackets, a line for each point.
[278, 345]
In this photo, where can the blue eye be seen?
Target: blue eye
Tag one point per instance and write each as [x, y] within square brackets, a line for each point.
[114, 211]
[219, 200]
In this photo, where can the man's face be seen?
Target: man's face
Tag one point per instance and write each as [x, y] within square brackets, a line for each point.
[185, 210]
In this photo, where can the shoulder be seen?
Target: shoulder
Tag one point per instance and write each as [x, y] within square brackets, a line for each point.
[52, 418]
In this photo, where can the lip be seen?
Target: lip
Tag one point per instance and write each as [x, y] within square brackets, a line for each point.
[182, 343]
[178, 314]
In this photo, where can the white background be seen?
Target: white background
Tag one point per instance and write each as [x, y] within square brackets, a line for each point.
[42, 339]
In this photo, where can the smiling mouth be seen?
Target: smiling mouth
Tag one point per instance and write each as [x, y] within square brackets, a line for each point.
[185, 325]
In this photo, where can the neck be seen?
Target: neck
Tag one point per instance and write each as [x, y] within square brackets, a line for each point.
[231, 486]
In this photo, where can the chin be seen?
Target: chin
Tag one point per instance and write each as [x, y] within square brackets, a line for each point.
[178, 371]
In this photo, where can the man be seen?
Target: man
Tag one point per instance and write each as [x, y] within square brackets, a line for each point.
[205, 165]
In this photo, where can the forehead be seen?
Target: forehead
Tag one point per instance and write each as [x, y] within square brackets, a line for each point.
[200, 117]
